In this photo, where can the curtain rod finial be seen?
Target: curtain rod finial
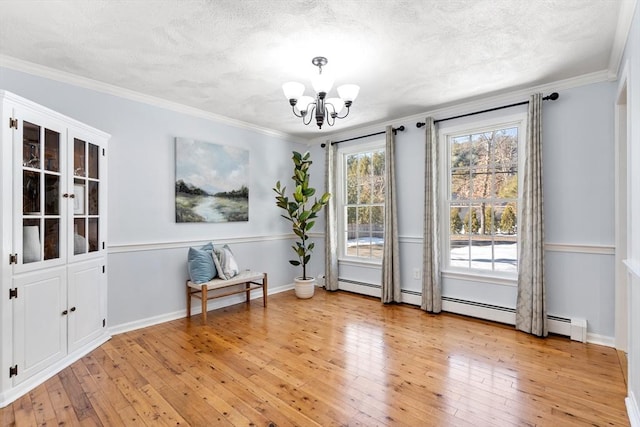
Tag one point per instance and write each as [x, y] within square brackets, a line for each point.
[553, 96]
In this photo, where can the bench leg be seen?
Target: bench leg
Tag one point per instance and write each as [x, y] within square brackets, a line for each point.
[264, 290]
[204, 303]
[247, 285]
[188, 301]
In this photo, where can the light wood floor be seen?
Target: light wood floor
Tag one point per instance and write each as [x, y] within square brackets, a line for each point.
[337, 359]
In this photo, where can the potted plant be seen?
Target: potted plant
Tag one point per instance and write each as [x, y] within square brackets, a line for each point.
[301, 212]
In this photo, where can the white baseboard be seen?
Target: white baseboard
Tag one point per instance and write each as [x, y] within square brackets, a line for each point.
[195, 309]
[632, 410]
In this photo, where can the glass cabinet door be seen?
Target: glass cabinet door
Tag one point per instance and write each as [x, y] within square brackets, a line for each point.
[41, 180]
[86, 197]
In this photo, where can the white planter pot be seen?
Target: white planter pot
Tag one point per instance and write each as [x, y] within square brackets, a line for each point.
[304, 287]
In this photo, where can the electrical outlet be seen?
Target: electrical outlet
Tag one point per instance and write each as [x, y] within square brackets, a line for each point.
[416, 273]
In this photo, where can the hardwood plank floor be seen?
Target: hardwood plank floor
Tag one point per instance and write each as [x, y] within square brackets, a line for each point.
[337, 359]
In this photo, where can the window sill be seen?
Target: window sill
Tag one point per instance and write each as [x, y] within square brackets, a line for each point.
[482, 278]
[360, 263]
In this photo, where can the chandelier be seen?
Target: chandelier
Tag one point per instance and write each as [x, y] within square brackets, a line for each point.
[324, 108]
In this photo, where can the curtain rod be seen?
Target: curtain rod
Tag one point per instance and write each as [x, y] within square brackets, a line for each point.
[551, 97]
[395, 130]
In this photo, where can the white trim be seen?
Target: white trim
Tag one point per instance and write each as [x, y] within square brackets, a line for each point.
[481, 278]
[360, 263]
[632, 410]
[155, 246]
[600, 340]
[625, 19]
[452, 130]
[414, 240]
[580, 249]
[98, 86]
[195, 309]
[633, 267]
[480, 102]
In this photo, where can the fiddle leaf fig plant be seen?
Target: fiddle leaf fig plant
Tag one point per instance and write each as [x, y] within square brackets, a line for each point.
[299, 209]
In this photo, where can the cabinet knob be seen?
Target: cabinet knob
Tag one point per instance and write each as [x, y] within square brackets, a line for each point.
[73, 309]
[64, 313]
[72, 196]
[65, 195]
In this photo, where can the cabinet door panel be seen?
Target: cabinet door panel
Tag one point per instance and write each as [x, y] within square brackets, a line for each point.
[85, 300]
[40, 327]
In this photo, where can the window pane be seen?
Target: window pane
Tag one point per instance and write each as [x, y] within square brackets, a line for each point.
[363, 231]
[481, 250]
[378, 177]
[52, 150]
[459, 250]
[51, 194]
[30, 145]
[461, 152]
[482, 182]
[51, 238]
[79, 168]
[79, 236]
[30, 192]
[351, 240]
[460, 184]
[506, 185]
[377, 231]
[365, 189]
[31, 250]
[93, 161]
[352, 179]
[482, 148]
[93, 234]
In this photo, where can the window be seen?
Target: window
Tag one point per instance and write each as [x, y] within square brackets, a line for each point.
[481, 208]
[362, 198]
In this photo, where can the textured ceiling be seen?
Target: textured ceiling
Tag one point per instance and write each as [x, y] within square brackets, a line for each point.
[231, 57]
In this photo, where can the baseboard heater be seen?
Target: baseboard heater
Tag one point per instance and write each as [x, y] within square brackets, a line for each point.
[576, 329]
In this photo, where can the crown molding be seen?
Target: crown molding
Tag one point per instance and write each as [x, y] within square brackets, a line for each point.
[476, 103]
[625, 19]
[109, 89]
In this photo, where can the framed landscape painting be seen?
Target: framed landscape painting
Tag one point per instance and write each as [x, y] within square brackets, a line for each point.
[212, 182]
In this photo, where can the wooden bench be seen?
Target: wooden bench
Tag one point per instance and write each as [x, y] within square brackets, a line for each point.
[218, 288]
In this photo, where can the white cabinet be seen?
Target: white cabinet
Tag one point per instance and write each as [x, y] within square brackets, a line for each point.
[53, 223]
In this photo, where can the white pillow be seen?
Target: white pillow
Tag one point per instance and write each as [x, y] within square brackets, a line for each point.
[225, 262]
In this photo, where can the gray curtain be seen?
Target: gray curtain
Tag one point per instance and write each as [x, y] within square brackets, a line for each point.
[431, 282]
[531, 310]
[390, 253]
[331, 221]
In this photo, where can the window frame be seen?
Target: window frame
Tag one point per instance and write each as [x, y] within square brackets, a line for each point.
[341, 185]
[445, 133]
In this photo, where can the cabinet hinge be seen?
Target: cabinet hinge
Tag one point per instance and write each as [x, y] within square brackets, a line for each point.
[103, 268]
[104, 322]
[13, 293]
[104, 152]
[102, 245]
[13, 371]
[13, 259]
[13, 123]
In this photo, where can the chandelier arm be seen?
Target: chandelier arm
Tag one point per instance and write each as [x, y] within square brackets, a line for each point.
[330, 117]
[309, 114]
[293, 108]
[345, 114]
